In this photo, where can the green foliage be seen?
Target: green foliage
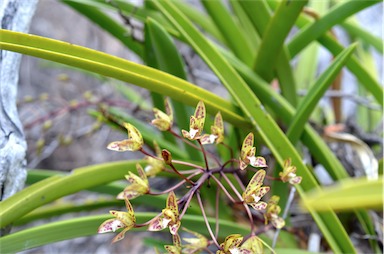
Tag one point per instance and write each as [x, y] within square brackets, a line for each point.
[246, 58]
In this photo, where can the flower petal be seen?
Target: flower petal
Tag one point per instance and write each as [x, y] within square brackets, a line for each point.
[120, 236]
[174, 227]
[258, 162]
[172, 203]
[254, 184]
[259, 205]
[110, 225]
[157, 225]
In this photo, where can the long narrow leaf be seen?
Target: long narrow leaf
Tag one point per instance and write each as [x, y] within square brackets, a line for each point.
[284, 73]
[54, 187]
[335, 48]
[233, 34]
[349, 194]
[121, 69]
[321, 26]
[274, 36]
[86, 226]
[315, 94]
[109, 25]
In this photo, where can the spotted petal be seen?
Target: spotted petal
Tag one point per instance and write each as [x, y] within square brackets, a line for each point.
[110, 225]
[254, 184]
[157, 224]
[259, 205]
[172, 203]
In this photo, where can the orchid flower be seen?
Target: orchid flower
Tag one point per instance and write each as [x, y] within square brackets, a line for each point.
[126, 220]
[133, 143]
[247, 154]
[254, 191]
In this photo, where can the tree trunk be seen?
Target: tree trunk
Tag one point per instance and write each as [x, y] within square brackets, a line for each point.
[14, 15]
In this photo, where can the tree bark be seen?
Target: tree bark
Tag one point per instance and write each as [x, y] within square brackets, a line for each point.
[14, 15]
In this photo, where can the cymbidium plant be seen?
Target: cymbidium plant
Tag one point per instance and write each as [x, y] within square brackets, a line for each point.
[192, 181]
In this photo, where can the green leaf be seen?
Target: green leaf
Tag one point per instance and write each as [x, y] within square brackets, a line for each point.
[104, 64]
[234, 35]
[261, 22]
[354, 29]
[314, 95]
[335, 48]
[109, 25]
[348, 195]
[333, 17]
[58, 186]
[274, 36]
[86, 226]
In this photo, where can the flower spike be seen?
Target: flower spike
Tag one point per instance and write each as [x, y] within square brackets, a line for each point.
[139, 185]
[254, 191]
[133, 143]
[163, 121]
[126, 220]
[196, 123]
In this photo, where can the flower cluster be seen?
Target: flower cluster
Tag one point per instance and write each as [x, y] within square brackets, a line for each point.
[171, 216]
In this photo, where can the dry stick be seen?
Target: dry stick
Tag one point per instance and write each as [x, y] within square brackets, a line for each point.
[288, 205]
[206, 220]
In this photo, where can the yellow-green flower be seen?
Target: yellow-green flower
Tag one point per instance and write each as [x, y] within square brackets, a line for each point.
[247, 154]
[289, 173]
[176, 247]
[163, 121]
[133, 143]
[154, 165]
[126, 220]
[230, 244]
[217, 132]
[196, 244]
[139, 185]
[254, 191]
[169, 217]
[272, 213]
[196, 123]
[252, 245]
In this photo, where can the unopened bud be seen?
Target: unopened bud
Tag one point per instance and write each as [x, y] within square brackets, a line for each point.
[167, 157]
